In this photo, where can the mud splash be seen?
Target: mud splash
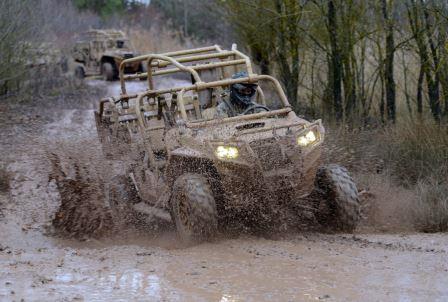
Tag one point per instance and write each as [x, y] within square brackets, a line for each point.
[83, 211]
[153, 266]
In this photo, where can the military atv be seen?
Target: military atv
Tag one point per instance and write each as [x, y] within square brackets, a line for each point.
[100, 52]
[205, 172]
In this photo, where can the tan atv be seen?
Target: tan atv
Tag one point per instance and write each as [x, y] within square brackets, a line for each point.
[100, 52]
[205, 172]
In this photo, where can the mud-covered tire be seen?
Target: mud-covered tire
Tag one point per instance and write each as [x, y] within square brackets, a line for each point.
[338, 205]
[107, 71]
[121, 195]
[79, 73]
[193, 208]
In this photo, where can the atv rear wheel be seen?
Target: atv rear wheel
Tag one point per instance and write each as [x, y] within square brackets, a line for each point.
[107, 71]
[337, 199]
[193, 208]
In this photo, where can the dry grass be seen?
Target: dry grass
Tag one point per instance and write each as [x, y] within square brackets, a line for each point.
[416, 151]
[355, 149]
[403, 167]
[386, 207]
[416, 154]
[431, 208]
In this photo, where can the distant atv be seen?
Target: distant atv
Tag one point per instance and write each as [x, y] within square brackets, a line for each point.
[205, 172]
[100, 52]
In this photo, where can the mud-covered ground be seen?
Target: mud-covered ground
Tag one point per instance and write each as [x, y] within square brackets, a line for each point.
[130, 266]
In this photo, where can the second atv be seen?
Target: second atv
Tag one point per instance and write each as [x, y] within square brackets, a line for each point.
[100, 52]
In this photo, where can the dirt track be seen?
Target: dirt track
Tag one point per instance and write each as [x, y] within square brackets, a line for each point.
[153, 267]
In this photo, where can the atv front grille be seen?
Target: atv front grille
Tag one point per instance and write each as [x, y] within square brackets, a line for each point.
[270, 154]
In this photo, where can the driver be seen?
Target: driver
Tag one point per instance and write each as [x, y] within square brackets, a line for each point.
[241, 95]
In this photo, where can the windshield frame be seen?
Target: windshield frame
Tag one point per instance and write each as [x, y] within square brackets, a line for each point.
[252, 79]
[201, 86]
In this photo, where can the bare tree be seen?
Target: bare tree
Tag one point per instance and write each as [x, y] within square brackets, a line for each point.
[387, 7]
[423, 28]
[16, 27]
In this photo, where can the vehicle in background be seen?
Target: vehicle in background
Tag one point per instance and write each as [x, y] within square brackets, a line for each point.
[100, 52]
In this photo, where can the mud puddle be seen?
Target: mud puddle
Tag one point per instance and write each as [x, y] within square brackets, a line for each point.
[136, 266]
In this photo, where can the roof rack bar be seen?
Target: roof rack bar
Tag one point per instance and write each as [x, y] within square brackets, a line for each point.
[195, 67]
[156, 63]
[166, 61]
[192, 51]
[204, 66]
[219, 55]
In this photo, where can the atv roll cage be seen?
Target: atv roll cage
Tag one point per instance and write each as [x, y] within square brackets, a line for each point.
[176, 61]
[205, 169]
[157, 63]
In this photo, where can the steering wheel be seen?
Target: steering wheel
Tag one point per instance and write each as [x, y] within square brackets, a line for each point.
[253, 107]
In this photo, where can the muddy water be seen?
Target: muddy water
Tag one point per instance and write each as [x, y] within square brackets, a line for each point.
[130, 266]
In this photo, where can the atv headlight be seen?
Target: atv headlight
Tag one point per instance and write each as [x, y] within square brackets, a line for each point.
[226, 152]
[307, 139]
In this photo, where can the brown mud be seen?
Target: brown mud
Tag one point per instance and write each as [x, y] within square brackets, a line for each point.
[374, 264]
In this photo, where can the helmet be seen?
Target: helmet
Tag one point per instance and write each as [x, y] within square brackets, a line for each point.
[242, 93]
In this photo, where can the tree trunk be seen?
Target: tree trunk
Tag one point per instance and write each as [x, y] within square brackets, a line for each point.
[434, 97]
[382, 101]
[336, 63]
[389, 64]
[289, 75]
[406, 87]
[421, 29]
[420, 92]
[262, 61]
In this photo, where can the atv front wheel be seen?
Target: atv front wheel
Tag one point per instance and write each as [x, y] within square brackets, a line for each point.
[107, 70]
[337, 199]
[193, 208]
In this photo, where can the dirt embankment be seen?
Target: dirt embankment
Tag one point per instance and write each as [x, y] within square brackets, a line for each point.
[131, 265]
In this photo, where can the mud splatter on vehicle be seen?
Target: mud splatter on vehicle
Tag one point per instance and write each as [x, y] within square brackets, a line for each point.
[204, 172]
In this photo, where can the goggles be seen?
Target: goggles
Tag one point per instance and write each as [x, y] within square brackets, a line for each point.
[245, 89]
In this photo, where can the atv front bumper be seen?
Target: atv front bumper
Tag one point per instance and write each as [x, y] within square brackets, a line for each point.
[273, 168]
